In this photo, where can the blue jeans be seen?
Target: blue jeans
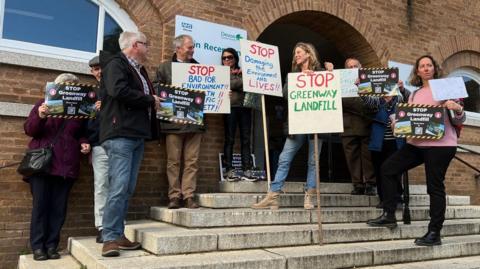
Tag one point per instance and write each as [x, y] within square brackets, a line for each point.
[291, 147]
[124, 158]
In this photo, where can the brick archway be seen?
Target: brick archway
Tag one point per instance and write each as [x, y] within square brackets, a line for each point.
[469, 59]
[336, 20]
[455, 44]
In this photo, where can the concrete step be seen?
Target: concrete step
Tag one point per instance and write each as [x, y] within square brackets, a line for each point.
[205, 217]
[297, 187]
[166, 239]
[243, 200]
[66, 262]
[471, 262]
[88, 253]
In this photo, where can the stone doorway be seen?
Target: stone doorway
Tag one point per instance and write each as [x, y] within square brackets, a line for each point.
[335, 40]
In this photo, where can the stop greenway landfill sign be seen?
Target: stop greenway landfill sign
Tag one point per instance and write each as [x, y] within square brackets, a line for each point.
[315, 103]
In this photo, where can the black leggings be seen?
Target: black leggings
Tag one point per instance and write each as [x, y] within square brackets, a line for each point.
[436, 160]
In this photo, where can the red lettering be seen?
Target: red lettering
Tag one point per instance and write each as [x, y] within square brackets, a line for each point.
[301, 79]
[201, 70]
[329, 77]
[264, 52]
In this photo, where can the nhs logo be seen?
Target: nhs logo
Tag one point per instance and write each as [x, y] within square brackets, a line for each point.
[187, 26]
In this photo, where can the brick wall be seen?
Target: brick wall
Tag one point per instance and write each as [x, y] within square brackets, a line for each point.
[375, 31]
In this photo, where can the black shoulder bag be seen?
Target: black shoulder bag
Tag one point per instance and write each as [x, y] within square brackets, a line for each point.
[38, 160]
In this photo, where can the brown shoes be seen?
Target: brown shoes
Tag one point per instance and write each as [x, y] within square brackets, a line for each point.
[174, 203]
[125, 244]
[110, 249]
[190, 203]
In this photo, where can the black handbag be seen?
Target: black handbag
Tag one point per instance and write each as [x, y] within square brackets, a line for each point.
[39, 160]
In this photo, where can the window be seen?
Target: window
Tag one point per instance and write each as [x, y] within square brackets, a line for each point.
[472, 83]
[73, 30]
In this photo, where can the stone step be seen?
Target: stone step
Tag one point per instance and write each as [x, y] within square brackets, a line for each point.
[88, 253]
[471, 262]
[297, 187]
[206, 217]
[166, 239]
[243, 200]
[66, 262]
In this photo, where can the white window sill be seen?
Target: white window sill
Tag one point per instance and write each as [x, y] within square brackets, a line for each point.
[43, 62]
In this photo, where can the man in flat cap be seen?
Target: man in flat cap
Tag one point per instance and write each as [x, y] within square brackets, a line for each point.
[99, 156]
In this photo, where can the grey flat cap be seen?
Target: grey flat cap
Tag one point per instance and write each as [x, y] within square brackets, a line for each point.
[94, 61]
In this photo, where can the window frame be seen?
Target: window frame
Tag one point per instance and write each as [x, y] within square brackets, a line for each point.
[473, 118]
[42, 51]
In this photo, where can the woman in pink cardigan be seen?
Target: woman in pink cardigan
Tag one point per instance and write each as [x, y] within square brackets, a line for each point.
[434, 154]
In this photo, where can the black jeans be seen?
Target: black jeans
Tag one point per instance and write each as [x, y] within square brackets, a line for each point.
[241, 117]
[436, 160]
[50, 196]
[389, 147]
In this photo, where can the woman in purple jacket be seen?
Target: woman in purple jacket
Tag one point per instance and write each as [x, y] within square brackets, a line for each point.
[50, 190]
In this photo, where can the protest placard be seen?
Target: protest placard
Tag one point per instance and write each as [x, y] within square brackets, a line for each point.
[260, 68]
[448, 88]
[378, 81]
[68, 100]
[419, 121]
[213, 79]
[347, 82]
[236, 163]
[314, 103]
[181, 105]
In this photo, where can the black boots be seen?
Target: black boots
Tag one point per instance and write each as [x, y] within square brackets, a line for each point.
[385, 220]
[429, 239]
[39, 255]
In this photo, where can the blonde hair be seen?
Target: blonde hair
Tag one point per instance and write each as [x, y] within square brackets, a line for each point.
[66, 78]
[313, 59]
[127, 39]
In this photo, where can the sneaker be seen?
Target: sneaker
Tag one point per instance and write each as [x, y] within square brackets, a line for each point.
[110, 249]
[233, 175]
[254, 174]
[125, 244]
[370, 190]
[358, 190]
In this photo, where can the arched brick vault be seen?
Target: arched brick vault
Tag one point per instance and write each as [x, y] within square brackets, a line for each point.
[470, 59]
[454, 44]
[345, 25]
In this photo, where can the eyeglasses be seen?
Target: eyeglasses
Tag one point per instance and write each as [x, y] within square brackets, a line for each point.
[143, 43]
[229, 57]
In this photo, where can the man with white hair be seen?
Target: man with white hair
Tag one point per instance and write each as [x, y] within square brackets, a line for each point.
[128, 118]
[181, 139]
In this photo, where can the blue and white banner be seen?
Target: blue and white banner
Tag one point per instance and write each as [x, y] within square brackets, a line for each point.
[210, 38]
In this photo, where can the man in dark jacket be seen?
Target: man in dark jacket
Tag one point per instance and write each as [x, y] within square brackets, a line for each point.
[355, 138]
[127, 119]
[180, 138]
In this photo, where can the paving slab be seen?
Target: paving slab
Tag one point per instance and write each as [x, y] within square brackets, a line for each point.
[472, 262]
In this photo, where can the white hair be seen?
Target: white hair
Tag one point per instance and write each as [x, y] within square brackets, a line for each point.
[66, 78]
[179, 40]
[127, 39]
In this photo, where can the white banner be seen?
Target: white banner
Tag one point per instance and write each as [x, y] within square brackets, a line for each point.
[260, 68]
[210, 38]
[315, 103]
[214, 79]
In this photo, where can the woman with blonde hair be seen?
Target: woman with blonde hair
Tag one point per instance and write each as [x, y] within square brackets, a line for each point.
[305, 59]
